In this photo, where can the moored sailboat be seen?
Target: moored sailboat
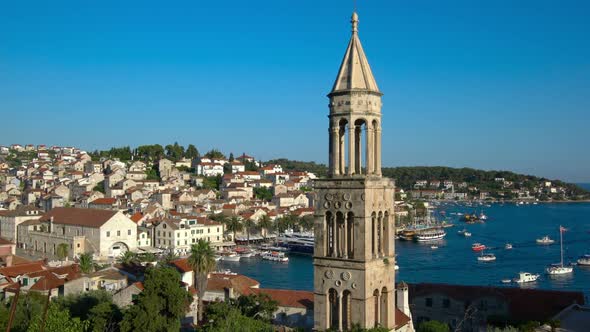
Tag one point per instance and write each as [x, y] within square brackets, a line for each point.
[557, 269]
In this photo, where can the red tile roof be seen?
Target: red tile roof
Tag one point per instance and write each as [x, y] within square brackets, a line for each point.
[76, 216]
[289, 298]
[104, 201]
[19, 270]
[401, 319]
[136, 217]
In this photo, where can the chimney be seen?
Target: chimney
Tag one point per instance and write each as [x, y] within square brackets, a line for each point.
[50, 224]
[402, 298]
[8, 260]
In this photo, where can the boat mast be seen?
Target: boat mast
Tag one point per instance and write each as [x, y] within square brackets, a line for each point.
[561, 244]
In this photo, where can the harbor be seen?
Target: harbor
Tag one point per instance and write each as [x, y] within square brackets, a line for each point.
[517, 225]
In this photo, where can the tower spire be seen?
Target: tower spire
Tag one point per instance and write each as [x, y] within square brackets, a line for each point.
[355, 22]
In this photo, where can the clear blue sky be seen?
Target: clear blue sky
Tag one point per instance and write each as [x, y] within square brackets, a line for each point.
[494, 85]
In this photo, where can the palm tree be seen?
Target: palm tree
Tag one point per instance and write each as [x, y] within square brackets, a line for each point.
[86, 263]
[249, 225]
[265, 224]
[62, 251]
[234, 225]
[127, 258]
[202, 261]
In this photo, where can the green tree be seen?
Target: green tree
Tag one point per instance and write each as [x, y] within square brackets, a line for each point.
[86, 263]
[81, 305]
[433, 326]
[202, 261]
[161, 304]
[28, 308]
[265, 224]
[214, 154]
[99, 187]
[263, 193]
[57, 320]
[234, 225]
[174, 151]
[104, 317]
[127, 258]
[191, 152]
[306, 222]
[223, 317]
[62, 251]
[260, 306]
[231, 157]
[249, 225]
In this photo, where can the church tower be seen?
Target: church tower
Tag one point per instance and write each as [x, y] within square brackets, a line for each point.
[354, 256]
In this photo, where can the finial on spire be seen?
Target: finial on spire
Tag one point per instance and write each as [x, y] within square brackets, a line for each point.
[355, 22]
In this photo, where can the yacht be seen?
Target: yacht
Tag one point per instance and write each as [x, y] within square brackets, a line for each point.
[297, 242]
[526, 277]
[508, 246]
[486, 257]
[557, 269]
[275, 256]
[545, 240]
[584, 260]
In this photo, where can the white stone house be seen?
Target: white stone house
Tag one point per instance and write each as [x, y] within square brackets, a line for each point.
[105, 233]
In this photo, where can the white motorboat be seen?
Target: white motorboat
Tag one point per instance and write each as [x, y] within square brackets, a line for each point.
[508, 246]
[558, 269]
[275, 256]
[506, 281]
[524, 277]
[396, 267]
[232, 257]
[482, 216]
[433, 247]
[467, 234]
[584, 260]
[545, 240]
[486, 257]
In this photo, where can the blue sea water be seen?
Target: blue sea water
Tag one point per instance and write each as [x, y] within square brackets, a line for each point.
[454, 262]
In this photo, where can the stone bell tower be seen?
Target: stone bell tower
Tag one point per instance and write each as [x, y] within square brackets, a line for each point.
[354, 222]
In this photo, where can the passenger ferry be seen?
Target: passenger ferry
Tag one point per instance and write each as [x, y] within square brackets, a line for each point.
[431, 234]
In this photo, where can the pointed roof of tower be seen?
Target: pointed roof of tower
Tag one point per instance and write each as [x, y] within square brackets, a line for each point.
[355, 72]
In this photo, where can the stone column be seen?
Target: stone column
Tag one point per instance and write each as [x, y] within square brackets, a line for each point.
[351, 153]
[345, 237]
[370, 150]
[334, 151]
[378, 150]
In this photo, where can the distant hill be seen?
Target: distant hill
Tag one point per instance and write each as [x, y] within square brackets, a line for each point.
[406, 177]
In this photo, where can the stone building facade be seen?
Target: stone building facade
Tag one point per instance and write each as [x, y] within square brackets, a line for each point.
[354, 254]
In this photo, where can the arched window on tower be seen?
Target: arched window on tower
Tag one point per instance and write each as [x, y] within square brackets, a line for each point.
[333, 309]
[373, 232]
[346, 310]
[383, 307]
[387, 229]
[350, 234]
[376, 307]
[380, 234]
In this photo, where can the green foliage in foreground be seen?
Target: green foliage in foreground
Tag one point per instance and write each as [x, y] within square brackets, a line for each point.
[433, 326]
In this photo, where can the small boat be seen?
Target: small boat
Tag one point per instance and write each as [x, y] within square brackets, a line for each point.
[508, 246]
[584, 260]
[545, 240]
[230, 257]
[433, 247]
[462, 232]
[486, 257]
[396, 267]
[506, 281]
[467, 234]
[275, 256]
[482, 216]
[478, 247]
[524, 277]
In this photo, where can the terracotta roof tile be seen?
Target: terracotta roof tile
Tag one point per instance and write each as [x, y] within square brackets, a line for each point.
[76, 216]
[289, 298]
